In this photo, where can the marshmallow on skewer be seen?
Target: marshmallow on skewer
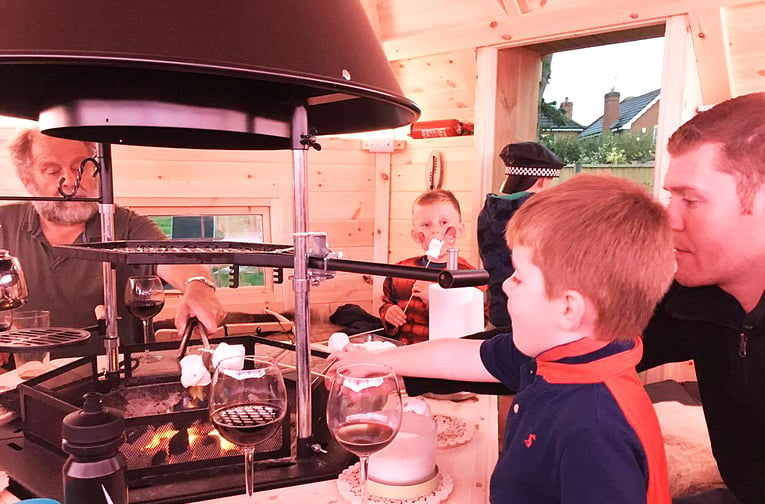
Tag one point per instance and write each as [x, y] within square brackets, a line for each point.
[224, 351]
[416, 405]
[376, 346]
[194, 373]
[337, 341]
[434, 249]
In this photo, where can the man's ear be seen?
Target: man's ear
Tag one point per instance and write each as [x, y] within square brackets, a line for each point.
[573, 310]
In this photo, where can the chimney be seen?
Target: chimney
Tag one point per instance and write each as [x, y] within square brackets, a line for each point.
[610, 110]
[568, 108]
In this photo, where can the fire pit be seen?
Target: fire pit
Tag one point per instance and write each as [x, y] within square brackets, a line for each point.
[172, 449]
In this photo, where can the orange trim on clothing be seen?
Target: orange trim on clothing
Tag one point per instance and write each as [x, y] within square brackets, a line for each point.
[631, 397]
[618, 374]
[589, 372]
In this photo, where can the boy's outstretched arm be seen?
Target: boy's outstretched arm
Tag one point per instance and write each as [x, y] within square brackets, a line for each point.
[450, 358]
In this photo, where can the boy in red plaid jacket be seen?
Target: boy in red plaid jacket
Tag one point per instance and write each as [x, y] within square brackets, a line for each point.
[436, 225]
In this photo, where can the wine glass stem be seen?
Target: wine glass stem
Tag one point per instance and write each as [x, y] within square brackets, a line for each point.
[363, 478]
[145, 332]
[249, 469]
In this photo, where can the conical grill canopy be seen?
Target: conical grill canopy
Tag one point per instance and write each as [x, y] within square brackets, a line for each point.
[179, 73]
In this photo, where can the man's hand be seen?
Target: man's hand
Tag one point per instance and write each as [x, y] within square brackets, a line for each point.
[200, 301]
[395, 316]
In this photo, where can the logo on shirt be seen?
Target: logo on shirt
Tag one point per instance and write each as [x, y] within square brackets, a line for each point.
[529, 440]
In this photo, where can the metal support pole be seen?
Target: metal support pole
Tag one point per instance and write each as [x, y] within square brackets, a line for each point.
[300, 282]
[106, 209]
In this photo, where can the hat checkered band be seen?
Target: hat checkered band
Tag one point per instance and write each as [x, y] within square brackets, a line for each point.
[534, 171]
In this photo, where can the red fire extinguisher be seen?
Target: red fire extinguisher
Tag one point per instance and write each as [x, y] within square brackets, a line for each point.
[432, 129]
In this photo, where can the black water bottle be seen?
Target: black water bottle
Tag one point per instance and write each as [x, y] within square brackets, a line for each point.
[94, 473]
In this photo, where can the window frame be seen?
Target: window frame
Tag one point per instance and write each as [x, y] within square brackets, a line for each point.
[189, 206]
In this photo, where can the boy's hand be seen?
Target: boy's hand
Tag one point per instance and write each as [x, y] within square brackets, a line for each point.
[395, 316]
[350, 354]
[421, 289]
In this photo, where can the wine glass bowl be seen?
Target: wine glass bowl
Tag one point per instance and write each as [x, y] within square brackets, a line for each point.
[144, 299]
[6, 320]
[364, 411]
[248, 402]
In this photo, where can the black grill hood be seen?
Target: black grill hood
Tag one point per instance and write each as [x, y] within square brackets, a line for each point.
[192, 73]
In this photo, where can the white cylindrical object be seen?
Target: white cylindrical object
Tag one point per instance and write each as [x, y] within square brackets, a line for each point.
[411, 457]
[453, 313]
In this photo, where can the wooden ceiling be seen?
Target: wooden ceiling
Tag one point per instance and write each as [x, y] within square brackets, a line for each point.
[727, 33]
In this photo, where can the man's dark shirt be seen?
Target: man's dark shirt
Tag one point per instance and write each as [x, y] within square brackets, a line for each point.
[70, 288]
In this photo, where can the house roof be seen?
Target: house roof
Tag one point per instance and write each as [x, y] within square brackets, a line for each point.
[629, 109]
[546, 123]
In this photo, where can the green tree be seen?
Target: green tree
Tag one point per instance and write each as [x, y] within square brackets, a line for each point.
[617, 148]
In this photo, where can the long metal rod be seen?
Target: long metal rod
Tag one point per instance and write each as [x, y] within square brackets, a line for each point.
[300, 282]
[45, 198]
[106, 209]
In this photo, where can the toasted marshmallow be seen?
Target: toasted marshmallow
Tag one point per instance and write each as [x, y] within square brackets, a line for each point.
[434, 249]
[337, 341]
[224, 351]
[376, 346]
[417, 405]
[193, 371]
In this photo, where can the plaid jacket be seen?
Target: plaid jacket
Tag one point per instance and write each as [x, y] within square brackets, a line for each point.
[396, 291]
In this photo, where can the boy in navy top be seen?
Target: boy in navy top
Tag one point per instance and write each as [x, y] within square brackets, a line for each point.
[592, 257]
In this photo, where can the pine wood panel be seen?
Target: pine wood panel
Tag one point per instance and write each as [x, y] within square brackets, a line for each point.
[408, 181]
[744, 27]
[410, 30]
[442, 85]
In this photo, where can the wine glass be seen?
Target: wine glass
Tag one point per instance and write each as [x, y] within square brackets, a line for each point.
[6, 323]
[248, 402]
[364, 411]
[144, 298]
[6, 320]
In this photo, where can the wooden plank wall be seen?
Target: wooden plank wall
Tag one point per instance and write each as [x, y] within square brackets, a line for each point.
[408, 180]
[443, 85]
[341, 193]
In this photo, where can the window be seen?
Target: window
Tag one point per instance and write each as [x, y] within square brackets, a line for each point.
[234, 228]
[225, 220]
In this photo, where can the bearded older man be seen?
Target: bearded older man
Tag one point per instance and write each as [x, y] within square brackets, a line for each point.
[71, 288]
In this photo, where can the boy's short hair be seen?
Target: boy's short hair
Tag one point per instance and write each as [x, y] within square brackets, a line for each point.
[437, 196]
[605, 237]
[737, 126]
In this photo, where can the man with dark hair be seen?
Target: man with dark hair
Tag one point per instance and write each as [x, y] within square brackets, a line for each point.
[715, 311]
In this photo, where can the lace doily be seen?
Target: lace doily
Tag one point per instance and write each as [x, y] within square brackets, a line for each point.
[453, 431]
[349, 486]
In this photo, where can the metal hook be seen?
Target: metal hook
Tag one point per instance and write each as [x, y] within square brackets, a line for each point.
[310, 139]
[78, 178]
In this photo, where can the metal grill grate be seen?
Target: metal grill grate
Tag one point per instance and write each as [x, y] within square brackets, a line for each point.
[248, 415]
[40, 338]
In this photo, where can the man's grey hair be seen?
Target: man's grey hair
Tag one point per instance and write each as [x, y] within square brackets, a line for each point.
[20, 150]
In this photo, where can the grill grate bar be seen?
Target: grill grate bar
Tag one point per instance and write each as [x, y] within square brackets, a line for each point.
[40, 338]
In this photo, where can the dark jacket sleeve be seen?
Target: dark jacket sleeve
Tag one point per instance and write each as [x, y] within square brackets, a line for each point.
[418, 386]
[663, 339]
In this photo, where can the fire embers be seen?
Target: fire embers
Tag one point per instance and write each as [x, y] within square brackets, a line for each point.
[150, 446]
